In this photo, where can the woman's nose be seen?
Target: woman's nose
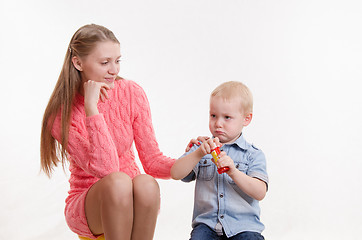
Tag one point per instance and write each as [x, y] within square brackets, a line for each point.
[113, 69]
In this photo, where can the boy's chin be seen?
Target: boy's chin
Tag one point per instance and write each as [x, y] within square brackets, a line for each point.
[226, 140]
[223, 139]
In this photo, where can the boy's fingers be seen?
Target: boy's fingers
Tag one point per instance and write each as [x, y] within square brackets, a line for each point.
[222, 154]
[211, 143]
[217, 142]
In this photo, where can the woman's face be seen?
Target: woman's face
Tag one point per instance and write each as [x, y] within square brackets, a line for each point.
[102, 64]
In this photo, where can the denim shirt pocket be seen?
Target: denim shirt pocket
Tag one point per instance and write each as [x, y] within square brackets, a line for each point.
[206, 169]
[242, 166]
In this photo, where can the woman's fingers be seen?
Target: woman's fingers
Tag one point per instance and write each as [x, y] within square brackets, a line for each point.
[97, 89]
[211, 143]
[191, 143]
[93, 92]
[105, 85]
[103, 94]
[189, 146]
[202, 138]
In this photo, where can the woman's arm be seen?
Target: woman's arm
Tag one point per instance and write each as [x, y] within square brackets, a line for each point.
[90, 144]
[153, 161]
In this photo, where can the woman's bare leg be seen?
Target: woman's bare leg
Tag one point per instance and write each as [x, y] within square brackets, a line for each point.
[146, 195]
[109, 206]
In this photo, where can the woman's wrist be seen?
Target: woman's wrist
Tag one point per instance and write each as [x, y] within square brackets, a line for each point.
[90, 111]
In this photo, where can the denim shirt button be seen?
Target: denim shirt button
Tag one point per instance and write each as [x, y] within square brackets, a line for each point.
[222, 216]
[205, 161]
[221, 195]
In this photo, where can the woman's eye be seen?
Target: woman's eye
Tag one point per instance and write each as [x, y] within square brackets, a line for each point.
[104, 63]
[118, 61]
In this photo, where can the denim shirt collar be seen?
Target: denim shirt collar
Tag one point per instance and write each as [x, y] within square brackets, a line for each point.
[241, 143]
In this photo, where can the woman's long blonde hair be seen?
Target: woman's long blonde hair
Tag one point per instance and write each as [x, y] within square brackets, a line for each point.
[69, 82]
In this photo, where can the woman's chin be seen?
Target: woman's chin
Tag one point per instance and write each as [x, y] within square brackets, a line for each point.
[110, 84]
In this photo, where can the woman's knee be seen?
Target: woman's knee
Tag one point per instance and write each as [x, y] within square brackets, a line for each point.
[117, 188]
[146, 190]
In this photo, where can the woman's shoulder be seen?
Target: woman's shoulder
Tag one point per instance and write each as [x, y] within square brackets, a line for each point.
[123, 82]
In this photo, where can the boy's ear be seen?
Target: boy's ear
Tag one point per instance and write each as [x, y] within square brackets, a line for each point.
[77, 63]
[247, 119]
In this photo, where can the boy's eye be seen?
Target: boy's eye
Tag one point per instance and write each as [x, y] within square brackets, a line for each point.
[104, 63]
[227, 117]
[212, 115]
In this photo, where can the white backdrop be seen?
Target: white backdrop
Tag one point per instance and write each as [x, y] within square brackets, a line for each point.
[301, 59]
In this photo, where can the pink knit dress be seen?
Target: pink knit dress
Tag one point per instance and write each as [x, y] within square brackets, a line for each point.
[102, 144]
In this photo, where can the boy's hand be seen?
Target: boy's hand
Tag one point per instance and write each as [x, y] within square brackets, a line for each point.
[226, 161]
[208, 145]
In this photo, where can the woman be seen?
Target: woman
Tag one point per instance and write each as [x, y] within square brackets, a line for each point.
[108, 194]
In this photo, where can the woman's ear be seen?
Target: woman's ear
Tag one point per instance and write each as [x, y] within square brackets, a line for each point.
[247, 119]
[77, 63]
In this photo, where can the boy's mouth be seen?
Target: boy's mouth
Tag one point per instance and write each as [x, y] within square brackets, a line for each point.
[219, 132]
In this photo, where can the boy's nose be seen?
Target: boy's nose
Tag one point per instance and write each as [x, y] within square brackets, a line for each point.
[218, 123]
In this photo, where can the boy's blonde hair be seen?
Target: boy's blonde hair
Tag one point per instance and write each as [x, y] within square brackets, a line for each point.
[233, 89]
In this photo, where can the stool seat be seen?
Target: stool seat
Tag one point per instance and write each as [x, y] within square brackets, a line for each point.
[98, 238]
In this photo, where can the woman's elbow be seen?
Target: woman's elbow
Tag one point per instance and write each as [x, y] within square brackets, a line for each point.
[174, 174]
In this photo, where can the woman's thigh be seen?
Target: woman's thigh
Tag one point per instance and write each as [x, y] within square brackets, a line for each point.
[146, 191]
[114, 188]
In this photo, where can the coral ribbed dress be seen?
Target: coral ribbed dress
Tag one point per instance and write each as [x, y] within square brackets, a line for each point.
[102, 144]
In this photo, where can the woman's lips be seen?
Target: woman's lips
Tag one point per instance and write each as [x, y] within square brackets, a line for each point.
[110, 80]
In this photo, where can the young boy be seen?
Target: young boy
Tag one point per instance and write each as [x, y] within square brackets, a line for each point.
[226, 205]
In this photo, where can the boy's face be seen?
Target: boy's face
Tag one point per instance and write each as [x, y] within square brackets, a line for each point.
[226, 119]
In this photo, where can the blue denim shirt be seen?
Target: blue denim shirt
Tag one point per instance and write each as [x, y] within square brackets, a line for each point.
[219, 199]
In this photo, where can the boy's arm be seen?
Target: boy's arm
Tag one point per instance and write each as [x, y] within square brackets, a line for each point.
[183, 166]
[253, 187]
